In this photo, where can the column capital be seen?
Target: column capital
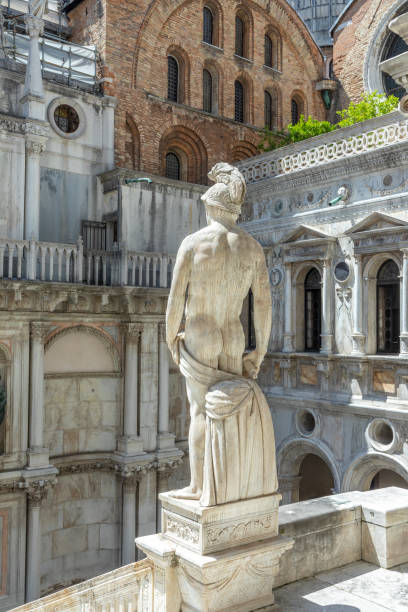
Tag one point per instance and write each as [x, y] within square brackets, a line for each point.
[132, 331]
[34, 25]
[39, 330]
[37, 491]
[34, 148]
[165, 469]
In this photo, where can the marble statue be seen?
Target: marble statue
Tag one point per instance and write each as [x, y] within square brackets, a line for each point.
[231, 438]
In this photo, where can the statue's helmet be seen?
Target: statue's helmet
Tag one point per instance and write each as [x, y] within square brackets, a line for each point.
[229, 190]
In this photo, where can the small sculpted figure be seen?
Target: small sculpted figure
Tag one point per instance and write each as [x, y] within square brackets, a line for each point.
[38, 8]
[231, 438]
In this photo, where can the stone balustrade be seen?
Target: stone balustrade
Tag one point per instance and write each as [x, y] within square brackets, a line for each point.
[71, 263]
[127, 588]
[345, 143]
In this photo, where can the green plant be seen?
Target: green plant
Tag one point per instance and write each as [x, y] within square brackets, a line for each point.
[272, 139]
[369, 106]
[307, 128]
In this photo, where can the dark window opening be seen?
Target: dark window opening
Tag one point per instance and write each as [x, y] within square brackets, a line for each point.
[395, 46]
[294, 111]
[207, 92]
[268, 60]
[268, 110]
[313, 311]
[208, 25]
[388, 308]
[239, 36]
[172, 79]
[239, 102]
[172, 166]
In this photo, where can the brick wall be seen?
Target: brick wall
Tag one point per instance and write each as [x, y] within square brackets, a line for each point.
[139, 37]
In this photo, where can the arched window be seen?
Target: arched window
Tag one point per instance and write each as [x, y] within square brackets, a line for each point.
[268, 109]
[331, 70]
[207, 92]
[172, 166]
[172, 79]
[239, 36]
[313, 310]
[268, 48]
[294, 111]
[239, 102]
[388, 308]
[394, 46]
[208, 25]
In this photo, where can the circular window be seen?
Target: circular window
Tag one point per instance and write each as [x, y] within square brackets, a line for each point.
[342, 271]
[381, 435]
[306, 422]
[66, 118]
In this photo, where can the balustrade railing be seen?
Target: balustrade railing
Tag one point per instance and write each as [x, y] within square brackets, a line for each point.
[330, 147]
[127, 589]
[71, 263]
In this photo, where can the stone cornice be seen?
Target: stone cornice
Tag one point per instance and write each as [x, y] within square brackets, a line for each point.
[24, 127]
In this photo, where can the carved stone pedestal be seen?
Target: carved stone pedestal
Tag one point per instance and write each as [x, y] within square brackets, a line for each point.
[222, 558]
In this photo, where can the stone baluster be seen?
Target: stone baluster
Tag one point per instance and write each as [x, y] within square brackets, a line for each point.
[327, 320]
[358, 335]
[404, 304]
[37, 456]
[165, 439]
[33, 150]
[288, 335]
[131, 443]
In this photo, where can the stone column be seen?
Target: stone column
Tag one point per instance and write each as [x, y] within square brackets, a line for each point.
[35, 494]
[129, 520]
[288, 335]
[147, 500]
[327, 291]
[165, 439]
[131, 443]
[33, 150]
[33, 94]
[108, 104]
[358, 335]
[404, 304]
[37, 456]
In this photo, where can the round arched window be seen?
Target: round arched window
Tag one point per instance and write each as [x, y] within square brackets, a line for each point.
[172, 166]
[66, 118]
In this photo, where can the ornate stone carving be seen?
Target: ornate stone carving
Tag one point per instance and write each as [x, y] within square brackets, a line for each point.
[39, 330]
[34, 147]
[240, 531]
[37, 490]
[133, 332]
[182, 529]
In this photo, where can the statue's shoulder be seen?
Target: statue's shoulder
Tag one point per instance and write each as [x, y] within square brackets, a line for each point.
[251, 243]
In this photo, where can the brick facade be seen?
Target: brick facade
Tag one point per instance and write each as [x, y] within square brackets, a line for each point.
[134, 42]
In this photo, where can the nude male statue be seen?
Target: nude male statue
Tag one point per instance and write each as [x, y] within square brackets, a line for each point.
[214, 271]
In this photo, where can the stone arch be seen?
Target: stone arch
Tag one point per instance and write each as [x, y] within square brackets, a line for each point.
[242, 150]
[365, 466]
[246, 81]
[184, 67]
[291, 453]
[298, 299]
[299, 97]
[245, 14]
[274, 34]
[191, 151]
[106, 360]
[274, 90]
[370, 271]
[218, 85]
[132, 144]
[218, 21]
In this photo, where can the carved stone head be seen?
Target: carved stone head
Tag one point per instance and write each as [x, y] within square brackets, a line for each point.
[229, 190]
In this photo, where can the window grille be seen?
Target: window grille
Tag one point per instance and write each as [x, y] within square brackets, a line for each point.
[239, 36]
[313, 311]
[208, 25]
[207, 91]
[268, 110]
[172, 79]
[239, 102]
[268, 52]
[172, 166]
[388, 308]
[295, 111]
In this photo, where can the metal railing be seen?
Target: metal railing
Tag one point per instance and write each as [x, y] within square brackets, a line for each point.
[72, 263]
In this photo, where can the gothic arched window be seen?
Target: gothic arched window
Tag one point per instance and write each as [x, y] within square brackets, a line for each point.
[239, 36]
[239, 102]
[268, 59]
[388, 308]
[172, 166]
[172, 79]
[207, 91]
[268, 110]
[313, 310]
[208, 25]
[294, 111]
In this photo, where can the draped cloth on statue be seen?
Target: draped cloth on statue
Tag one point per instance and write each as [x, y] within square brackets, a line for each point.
[239, 458]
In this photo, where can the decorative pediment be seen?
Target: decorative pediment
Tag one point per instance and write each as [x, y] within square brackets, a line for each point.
[376, 222]
[305, 232]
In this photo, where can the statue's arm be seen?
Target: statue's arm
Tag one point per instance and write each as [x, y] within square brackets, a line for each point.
[262, 316]
[177, 298]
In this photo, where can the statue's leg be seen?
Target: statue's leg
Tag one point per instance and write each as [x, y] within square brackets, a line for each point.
[196, 440]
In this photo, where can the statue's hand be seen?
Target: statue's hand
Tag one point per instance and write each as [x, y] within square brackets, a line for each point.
[251, 362]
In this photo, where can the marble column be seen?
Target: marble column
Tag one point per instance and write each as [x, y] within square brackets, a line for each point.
[165, 439]
[108, 104]
[358, 336]
[129, 520]
[288, 335]
[35, 495]
[33, 151]
[147, 504]
[327, 314]
[404, 304]
[37, 455]
[131, 443]
[33, 100]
